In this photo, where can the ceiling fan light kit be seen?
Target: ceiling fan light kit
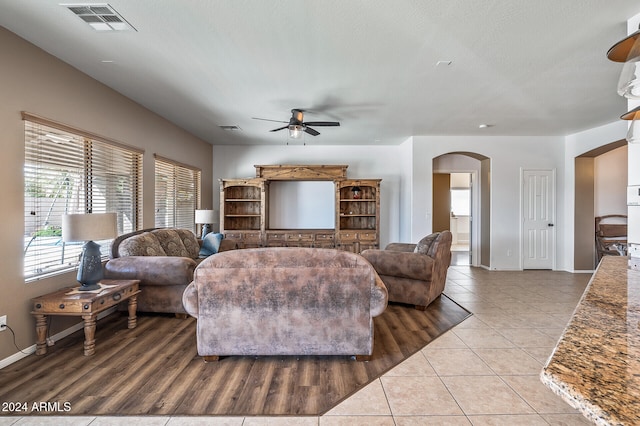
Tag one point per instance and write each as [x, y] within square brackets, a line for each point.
[295, 131]
[297, 125]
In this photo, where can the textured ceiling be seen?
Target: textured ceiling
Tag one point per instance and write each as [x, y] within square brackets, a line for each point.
[524, 67]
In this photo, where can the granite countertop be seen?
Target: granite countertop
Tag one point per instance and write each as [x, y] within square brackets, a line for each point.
[595, 366]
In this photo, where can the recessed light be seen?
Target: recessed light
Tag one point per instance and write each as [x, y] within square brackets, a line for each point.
[443, 63]
[484, 126]
[107, 61]
[230, 127]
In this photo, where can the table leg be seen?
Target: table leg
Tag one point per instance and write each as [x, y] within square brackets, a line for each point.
[89, 334]
[133, 305]
[41, 333]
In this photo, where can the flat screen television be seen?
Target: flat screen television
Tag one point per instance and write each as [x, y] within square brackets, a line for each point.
[301, 205]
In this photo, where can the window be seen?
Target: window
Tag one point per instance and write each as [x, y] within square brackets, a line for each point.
[71, 171]
[177, 194]
[461, 202]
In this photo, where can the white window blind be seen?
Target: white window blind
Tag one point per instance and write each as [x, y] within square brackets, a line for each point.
[177, 194]
[69, 172]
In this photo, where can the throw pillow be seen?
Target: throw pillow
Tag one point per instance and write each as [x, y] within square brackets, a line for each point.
[424, 244]
[190, 242]
[211, 244]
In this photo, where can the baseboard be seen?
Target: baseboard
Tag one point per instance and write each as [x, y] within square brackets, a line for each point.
[64, 333]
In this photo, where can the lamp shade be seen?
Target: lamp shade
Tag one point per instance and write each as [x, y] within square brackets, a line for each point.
[206, 216]
[633, 134]
[626, 49]
[634, 114]
[629, 81]
[90, 226]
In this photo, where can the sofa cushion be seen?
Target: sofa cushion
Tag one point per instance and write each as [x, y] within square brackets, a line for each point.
[190, 242]
[145, 244]
[171, 242]
[424, 245]
[211, 244]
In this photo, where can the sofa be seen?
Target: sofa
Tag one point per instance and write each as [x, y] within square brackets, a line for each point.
[414, 274]
[163, 260]
[285, 301]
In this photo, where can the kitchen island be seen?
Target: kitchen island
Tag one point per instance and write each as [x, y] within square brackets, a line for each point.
[595, 366]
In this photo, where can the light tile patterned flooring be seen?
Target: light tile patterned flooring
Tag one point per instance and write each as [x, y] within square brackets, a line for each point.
[483, 372]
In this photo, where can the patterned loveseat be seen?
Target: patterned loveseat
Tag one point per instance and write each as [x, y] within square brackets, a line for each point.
[163, 260]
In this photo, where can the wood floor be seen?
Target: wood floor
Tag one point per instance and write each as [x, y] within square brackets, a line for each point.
[154, 369]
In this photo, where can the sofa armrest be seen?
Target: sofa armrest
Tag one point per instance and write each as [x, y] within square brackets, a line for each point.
[400, 264]
[152, 270]
[190, 300]
[404, 247]
[379, 298]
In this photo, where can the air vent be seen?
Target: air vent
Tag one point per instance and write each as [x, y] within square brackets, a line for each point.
[230, 128]
[101, 17]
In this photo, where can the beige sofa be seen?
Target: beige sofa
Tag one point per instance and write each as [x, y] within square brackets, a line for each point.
[414, 273]
[163, 260]
[285, 301]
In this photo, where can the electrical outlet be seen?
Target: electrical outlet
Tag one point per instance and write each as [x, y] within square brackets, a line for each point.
[3, 323]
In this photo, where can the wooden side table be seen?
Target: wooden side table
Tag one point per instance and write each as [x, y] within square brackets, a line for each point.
[86, 304]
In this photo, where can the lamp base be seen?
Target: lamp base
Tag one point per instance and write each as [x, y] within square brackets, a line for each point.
[88, 287]
[90, 267]
[205, 230]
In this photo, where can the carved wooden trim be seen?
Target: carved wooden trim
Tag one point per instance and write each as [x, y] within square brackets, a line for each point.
[301, 172]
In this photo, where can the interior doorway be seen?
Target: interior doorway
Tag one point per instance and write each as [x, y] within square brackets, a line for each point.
[461, 204]
[600, 189]
[452, 212]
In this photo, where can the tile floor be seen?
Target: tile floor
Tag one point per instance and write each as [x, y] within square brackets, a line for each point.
[483, 372]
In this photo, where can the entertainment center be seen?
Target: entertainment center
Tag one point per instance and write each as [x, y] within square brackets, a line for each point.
[251, 217]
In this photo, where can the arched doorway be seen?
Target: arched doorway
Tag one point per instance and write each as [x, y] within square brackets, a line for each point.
[461, 203]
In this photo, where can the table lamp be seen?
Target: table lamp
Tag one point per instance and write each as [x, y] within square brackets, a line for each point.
[206, 218]
[89, 227]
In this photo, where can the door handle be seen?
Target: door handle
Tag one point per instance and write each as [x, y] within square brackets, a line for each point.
[550, 224]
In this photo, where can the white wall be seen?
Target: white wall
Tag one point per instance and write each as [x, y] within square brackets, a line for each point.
[376, 162]
[406, 173]
[633, 178]
[610, 182]
[32, 80]
[508, 155]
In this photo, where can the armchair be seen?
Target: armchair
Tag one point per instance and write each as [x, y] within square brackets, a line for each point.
[414, 273]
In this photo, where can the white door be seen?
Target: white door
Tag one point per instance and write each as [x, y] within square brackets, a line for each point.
[538, 208]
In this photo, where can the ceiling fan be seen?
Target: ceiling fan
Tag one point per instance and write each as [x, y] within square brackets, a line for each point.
[297, 125]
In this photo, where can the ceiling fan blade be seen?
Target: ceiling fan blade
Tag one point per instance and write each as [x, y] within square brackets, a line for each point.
[322, 123]
[279, 128]
[311, 131]
[266, 119]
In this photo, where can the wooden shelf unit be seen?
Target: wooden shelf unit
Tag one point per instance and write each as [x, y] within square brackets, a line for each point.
[244, 210]
[358, 219]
